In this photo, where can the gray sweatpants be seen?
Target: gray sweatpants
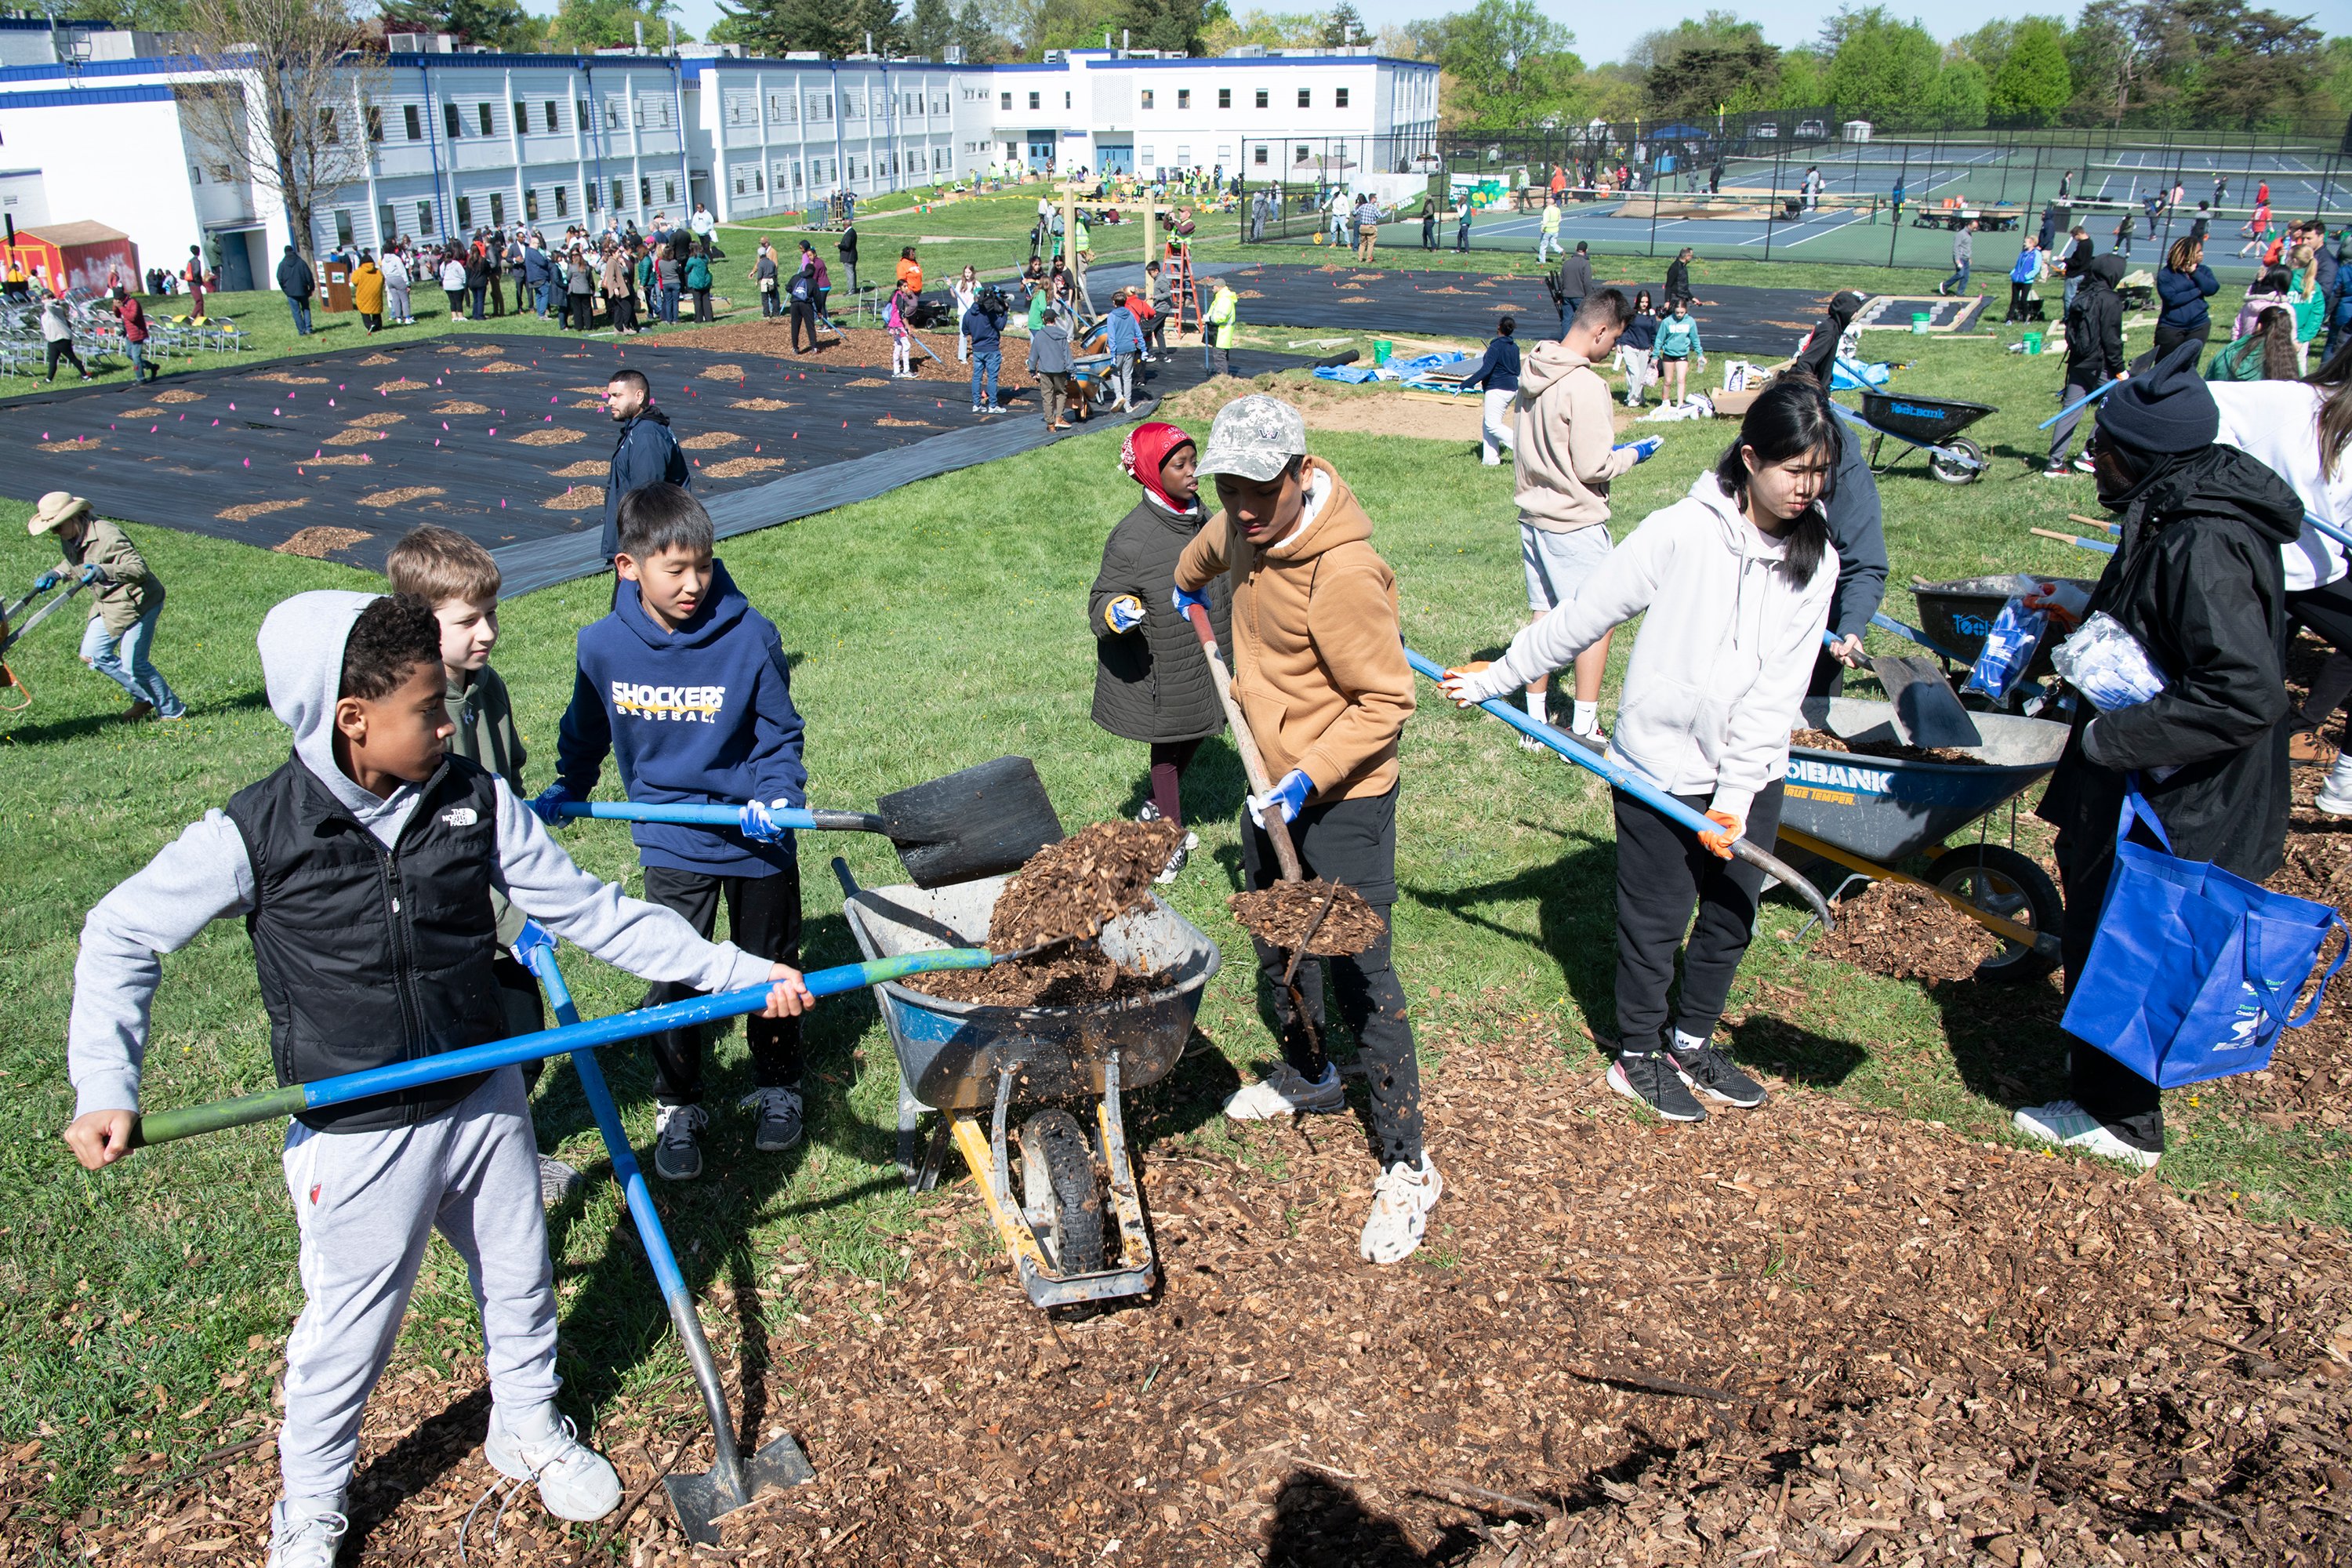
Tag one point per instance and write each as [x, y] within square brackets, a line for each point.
[366, 1203]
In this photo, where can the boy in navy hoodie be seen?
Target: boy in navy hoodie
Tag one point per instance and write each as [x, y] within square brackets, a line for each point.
[686, 684]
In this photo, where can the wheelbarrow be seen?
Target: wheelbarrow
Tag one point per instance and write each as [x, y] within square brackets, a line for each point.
[14, 625]
[958, 1059]
[1955, 617]
[1932, 425]
[1865, 812]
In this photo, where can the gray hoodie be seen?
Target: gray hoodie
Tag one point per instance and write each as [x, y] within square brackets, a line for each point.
[203, 875]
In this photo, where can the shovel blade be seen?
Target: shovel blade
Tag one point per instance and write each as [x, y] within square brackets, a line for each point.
[701, 1501]
[1927, 712]
[977, 823]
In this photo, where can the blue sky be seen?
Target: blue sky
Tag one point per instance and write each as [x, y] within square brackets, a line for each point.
[1602, 32]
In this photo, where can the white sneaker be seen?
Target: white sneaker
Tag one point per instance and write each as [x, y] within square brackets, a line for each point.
[302, 1537]
[2335, 796]
[2069, 1126]
[575, 1481]
[1402, 1200]
[1285, 1091]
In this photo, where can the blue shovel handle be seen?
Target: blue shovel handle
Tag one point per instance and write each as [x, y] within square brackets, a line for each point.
[721, 815]
[2097, 393]
[1640, 789]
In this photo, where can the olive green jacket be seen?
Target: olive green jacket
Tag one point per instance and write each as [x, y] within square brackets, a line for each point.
[484, 715]
[129, 590]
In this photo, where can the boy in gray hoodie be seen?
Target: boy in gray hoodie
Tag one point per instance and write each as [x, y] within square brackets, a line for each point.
[364, 869]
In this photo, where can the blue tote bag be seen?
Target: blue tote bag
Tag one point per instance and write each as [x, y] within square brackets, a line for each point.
[2195, 970]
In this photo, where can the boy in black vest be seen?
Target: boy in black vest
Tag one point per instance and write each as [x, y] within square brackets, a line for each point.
[363, 869]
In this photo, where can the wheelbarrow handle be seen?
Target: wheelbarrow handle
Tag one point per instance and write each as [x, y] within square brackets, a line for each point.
[722, 816]
[294, 1099]
[1643, 790]
[2098, 545]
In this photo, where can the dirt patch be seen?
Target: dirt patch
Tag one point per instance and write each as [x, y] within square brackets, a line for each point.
[459, 405]
[710, 439]
[869, 381]
[71, 444]
[288, 378]
[380, 358]
[736, 467]
[143, 413]
[401, 495]
[351, 437]
[587, 468]
[502, 368]
[179, 395]
[377, 420]
[253, 509]
[896, 423]
[1907, 933]
[1377, 410]
[849, 346]
[403, 385]
[1078, 886]
[761, 405]
[722, 373]
[318, 542]
[1822, 740]
[578, 498]
[489, 351]
[553, 435]
[340, 461]
[1280, 915]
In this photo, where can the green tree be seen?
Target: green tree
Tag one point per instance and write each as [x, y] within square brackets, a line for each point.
[931, 28]
[1164, 25]
[1344, 26]
[2033, 82]
[831, 27]
[1804, 82]
[1271, 29]
[1961, 94]
[982, 42]
[1694, 81]
[1879, 67]
[498, 23]
[1513, 64]
[585, 25]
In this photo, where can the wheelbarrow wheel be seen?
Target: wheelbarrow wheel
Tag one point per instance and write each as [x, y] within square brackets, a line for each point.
[1959, 473]
[2000, 880]
[1059, 1194]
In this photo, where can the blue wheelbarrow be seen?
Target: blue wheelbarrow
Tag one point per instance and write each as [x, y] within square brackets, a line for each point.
[1864, 813]
[958, 1059]
[1929, 425]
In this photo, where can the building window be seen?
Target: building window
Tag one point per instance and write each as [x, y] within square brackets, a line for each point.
[387, 223]
[1339, 97]
[342, 226]
[670, 190]
[560, 207]
[413, 122]
[620, 192]
[465, 215]
[1183, 157]
[1224, 98]
[1183, 98]
[1146, 97]
[1261, 98]
[1034, 101]
[374, 122]
[490, 126]
[1258, 153]
[1300, 153]
[327, 131]
[523, 116]
[531, 204]
[645, 191]
[451, 122]
[498, 210]
[1005, 100]
[589, 193]
[554, 122]
[1305, 96]
[612, 115]
[587, 119]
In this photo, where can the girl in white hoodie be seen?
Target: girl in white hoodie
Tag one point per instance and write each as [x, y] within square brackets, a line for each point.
[1733, 581]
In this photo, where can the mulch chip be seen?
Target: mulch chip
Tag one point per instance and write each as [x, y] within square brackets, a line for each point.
[1891, 928]
[1810, 1334]
[1075, 888]
[1822, 740]
[1281, 914]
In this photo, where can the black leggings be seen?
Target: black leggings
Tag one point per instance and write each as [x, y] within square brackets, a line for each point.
[763, 919]
[62, 348]
[1662, 871]
[2328, 612]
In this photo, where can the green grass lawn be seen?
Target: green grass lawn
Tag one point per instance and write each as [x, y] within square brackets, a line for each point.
[933, 628]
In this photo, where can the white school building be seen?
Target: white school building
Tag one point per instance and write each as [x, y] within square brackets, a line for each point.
[458, 141]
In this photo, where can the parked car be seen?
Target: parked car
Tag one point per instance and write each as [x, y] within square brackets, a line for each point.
[1768, 132]
[1812, 127]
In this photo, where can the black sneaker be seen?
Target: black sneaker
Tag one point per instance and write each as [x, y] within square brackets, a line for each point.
[1650, 1078]
[1709, 1072]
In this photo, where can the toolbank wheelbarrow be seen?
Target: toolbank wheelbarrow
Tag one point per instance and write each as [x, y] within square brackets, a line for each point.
[962, 1059]
[1865, 813]
[1932, 425]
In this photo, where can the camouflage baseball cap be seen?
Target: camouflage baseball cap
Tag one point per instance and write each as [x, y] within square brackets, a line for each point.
[1255, 437]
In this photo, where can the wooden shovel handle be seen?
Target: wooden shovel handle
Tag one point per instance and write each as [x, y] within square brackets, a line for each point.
[1285, 853]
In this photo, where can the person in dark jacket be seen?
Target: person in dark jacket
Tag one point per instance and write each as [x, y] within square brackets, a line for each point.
[538, 275]
[296, 282]
[1152, 679]
[2184, 286]
[983, 325]
[1678, 283]
[1575, 283]
[1499, 374]
[1851, 504]
[2197, 580]
[2075, 265]
[479, 274]
[847, 248]
[2095, 350]
[644, 453]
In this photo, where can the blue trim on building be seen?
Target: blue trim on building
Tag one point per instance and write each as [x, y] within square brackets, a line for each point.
[150, 93]
[1197, 60]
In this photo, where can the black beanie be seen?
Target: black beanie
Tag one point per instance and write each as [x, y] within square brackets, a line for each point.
[2164, 410]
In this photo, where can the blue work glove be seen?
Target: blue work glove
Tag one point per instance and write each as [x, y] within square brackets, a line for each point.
[93, 573]
[1288, 796]
[48, 580]
[1124, 613]
[759, 825]
[1642, 449]
[530, 940]
[1184, 600]
[544, 804]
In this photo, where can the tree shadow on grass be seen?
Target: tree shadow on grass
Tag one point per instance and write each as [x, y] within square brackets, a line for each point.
[1576, 917]
[89, 724]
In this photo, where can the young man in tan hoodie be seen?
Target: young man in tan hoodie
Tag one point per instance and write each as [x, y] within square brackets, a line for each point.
[1320, 675]
[1566, 457]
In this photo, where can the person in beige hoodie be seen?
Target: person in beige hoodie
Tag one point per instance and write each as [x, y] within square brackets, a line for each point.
[1321, 677]
[1566, 459]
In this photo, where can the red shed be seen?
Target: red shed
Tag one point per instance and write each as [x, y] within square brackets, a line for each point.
[86, 255]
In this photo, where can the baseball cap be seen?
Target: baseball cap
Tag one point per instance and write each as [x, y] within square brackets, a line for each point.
[1255, 437]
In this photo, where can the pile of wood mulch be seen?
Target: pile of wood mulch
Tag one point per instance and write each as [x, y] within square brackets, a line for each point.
[1280, 915]
[1822, 740]
[1810, 1334]
[1075, 888]
[1077, 974]
[1891, 928]
[858, 346]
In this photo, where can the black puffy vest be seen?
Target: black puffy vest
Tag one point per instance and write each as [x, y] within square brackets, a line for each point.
[369, 957]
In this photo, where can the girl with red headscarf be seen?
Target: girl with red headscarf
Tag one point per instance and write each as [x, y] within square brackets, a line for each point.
[1151, 679]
